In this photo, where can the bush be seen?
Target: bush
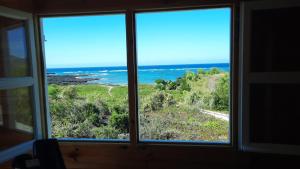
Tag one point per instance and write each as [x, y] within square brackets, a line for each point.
[190, 75]
[119, 121]
[171, 85]
[183, 84]
[92, 113]
[69, 92]
[192, 98]
[106, 132]
[221, 94]
[54, 92]
[213, 71]
[160, 84]
[157, 101]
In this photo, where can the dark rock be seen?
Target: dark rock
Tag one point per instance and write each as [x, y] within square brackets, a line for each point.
[68, 79]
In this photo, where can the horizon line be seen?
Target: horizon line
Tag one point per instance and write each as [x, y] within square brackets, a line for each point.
[139, 65]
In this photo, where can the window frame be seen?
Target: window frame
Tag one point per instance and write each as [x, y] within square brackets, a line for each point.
[24, 81]
[132, 74]
[264, 77]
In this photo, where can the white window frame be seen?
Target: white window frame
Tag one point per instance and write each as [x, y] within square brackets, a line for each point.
[25, 81]
[248, 77]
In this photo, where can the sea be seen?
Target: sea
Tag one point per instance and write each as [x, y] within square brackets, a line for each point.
[117, 75]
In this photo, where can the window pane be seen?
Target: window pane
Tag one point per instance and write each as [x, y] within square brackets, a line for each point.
[87, 76]
[275, 39]
[14, 59]
[16, 117]
[273, 114]
[183, 75]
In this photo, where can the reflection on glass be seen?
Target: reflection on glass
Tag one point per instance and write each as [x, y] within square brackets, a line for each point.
[183, 75]
[14, 59]
[16, 113]
[87, 76]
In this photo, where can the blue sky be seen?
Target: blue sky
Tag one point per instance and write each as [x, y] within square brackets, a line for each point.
[163, 38]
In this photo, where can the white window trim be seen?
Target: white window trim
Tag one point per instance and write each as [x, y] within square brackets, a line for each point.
[26, 81]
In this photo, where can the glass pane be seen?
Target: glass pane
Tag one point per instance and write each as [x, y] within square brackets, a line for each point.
[16, 117]
[87, 76]
[183, 75]
[275, 40]
[14, 59]
[274, 116]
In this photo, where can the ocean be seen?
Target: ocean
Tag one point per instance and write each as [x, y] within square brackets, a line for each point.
[146, 74]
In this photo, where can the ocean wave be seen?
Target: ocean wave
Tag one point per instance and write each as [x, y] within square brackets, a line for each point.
[177, 69]
[103, 71]
[151, 70]
[118, 71]
[103, 74]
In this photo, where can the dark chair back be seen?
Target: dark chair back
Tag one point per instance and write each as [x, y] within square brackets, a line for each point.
[48, 153]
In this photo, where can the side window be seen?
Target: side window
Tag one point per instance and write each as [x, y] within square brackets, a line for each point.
[270, 76]
[19, 102]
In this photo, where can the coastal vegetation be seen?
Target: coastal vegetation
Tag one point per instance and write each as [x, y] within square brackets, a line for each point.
[168, 110]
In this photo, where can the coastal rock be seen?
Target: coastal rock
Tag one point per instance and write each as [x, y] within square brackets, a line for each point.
[68, 79]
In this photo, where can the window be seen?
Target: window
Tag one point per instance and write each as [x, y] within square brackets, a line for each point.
[270, 77]
[87, 76]
[183, 83]
[184, 75]
[19, 101]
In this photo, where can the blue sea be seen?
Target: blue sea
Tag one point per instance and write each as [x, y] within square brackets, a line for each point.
[146, 74]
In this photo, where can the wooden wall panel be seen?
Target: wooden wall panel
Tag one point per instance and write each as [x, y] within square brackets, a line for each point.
[6, 165]
[74, 6]
[24, 5]
[115, 156]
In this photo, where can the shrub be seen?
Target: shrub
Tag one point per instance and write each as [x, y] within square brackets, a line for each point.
[192, 98]
[121, 108]
[200, 72]
[69, 92]
[92, 113]
[213, 71]
[54, 92]
[157, 101]
[183, 84]
[119, 121]
[221, 93]
[102, 106]
[160, 84]
[190, 75]
[171, 85]
[106, 132]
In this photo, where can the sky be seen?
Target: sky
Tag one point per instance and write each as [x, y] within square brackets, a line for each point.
[163, 38]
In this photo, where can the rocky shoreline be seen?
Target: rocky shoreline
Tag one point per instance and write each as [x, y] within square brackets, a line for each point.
[68, 79]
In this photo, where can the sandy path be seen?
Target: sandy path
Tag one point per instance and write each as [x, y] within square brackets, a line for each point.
[109, 90]
[217, 115]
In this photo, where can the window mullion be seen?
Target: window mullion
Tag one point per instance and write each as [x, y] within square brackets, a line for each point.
[132, 75]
